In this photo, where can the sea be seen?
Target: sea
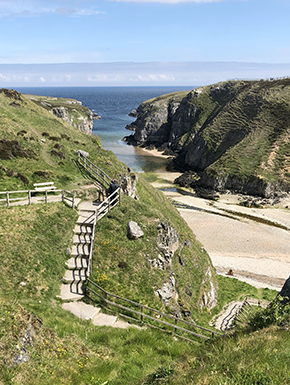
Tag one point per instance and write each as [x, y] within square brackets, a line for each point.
[114, 104]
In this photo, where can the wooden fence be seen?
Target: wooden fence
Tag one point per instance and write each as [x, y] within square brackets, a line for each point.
[155, 316]
[32, 196]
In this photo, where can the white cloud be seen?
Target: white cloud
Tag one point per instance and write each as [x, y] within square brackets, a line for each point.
[101, 78]
[77, 12]
[4, 78]
[22, 8]
[126, 74]
[154, 78]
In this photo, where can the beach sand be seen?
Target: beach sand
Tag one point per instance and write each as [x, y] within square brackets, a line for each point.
[145, 152]
[253, 243]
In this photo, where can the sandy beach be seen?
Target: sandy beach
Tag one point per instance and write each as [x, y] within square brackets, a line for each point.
[253, 243]
[154, 152]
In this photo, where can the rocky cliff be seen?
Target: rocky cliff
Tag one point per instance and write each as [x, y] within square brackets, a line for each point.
[231, 135]
[70, 110]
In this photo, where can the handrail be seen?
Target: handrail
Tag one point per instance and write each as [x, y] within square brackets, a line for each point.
[110, 202]
[100, 212]
[95, 171]
[143, 315]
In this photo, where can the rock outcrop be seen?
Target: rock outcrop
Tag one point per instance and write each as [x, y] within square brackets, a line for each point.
[233, 135]
[128, 185]
[78, 120]
[70, 110]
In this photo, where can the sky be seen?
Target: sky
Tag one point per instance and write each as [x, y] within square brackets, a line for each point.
[148, 42]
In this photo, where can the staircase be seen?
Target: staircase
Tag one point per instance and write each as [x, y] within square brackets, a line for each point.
[78, 270]
[78, 266]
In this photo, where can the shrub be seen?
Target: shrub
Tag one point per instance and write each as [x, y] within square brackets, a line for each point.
[277, 313]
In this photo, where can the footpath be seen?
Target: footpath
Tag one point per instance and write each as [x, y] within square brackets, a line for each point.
[77, 269]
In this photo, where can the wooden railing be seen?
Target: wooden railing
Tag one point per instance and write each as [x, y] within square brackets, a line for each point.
[68, 197]
[94, 171]
[110, 202]
[170, 325]
[32, 196]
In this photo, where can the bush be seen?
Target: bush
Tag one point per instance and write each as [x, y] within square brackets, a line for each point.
[277, 313]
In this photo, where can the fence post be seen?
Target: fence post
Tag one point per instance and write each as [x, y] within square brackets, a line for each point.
[142, 313]
[45, 196]
[29, 197]
[7, 198]
[105, 299]
[62, 196]
[119, 196]
[175, 323]
[73, 201]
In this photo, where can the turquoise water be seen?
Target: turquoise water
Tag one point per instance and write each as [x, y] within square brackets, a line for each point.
[113, 104]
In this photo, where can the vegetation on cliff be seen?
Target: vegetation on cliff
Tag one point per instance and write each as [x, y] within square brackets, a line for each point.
[234, 135]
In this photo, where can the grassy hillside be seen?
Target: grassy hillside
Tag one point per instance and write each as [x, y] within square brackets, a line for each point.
[63, 349]
[234, 134]
[35, 146]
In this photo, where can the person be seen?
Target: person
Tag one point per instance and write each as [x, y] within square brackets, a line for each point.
[112, 188]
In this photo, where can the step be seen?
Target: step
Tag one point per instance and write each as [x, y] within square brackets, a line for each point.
[82, 310]
[80, 249]
[86, 221]
[77, 263]
[83, 229]
[104, 320]
[75, 275]
[71, 292]
[82, 238]
[123, 325]
[87, 212]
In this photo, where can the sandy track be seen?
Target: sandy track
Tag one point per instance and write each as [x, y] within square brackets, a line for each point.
[254, 243]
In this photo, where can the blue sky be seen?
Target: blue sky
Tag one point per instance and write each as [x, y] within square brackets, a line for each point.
[164, 42]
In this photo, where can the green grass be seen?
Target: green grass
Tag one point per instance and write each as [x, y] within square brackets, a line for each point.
[67, 350]
[64, 347]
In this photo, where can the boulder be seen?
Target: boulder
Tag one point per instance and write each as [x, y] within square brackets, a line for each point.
[134, 231]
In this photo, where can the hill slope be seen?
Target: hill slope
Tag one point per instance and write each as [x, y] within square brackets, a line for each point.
[231, 135]
[55, 346]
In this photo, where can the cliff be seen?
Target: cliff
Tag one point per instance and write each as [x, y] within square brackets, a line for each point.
[231, 135]
[70, 110]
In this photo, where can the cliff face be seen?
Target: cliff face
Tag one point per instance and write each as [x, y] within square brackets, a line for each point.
[70, 110]
[234, 135]
[79, 120]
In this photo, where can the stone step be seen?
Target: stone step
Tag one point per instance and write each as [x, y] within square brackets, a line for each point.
[71, 292]
[87, 211]
[80, 249]
[82, 310]
[75, 275]
[77, 263]
[82, 238]
[104, 320]
[87, 221]
[83, 229]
